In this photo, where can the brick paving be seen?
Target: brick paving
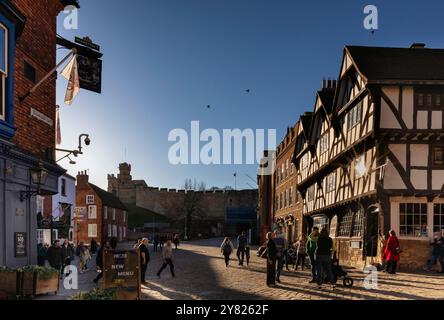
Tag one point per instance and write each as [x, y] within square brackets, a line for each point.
[201, 275]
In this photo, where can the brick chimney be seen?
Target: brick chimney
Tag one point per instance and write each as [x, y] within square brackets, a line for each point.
[82, 179]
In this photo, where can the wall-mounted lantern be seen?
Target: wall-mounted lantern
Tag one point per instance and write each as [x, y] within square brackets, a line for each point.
[38, 178]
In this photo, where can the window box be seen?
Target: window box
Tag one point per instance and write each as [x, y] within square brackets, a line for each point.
[9, 281]
[38, 281]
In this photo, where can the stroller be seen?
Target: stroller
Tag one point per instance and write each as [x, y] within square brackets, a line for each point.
[338, 272]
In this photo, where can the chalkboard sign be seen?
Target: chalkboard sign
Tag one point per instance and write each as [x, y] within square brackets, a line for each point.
[20, 244]
[90, 73]
[122, 272]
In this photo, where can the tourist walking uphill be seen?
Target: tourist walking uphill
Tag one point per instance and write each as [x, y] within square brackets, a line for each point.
[323, 258]
[311, 249]
[55, 256]
[281, 244]
[226, 249]
[167, 256]
[271, 259]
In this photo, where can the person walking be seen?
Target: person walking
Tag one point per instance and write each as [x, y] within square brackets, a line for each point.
[301, 252]
[99, 261]
[281, 249]
[41, 255]
[176, 240]
[323, 258]
[155, 242]
[311, 249]
[435, 252]
[144, 258]
[392, 252]
[440, 252]
[55, 255]
[271, 259]
[65, 257]
[93, 246]
[242, 242]
[226, 249]
[167, 256]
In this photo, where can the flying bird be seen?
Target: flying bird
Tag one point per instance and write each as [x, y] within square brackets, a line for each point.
[208, 106]
[247, 91]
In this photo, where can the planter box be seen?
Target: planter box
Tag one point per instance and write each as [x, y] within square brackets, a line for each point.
[33, 284]
[8, 284]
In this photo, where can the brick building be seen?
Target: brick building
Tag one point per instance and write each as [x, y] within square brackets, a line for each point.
[287, 213]
[103, 216]
[27, 133]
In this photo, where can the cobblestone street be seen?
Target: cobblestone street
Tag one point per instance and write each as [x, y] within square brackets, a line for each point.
[201, 274]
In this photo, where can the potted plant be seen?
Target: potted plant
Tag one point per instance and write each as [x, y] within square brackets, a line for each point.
[8, 282]
[36, 280]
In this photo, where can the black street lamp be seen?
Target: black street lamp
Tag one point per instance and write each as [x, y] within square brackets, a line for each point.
[38, 178]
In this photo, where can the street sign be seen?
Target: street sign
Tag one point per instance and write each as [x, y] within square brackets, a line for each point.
[121, 270]
[87, 42]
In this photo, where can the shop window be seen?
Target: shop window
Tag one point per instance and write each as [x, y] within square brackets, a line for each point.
[346, 225]
[321, 222]
[311, 193]
[333, 226]
[105, 212]
[438, 217]
[63, 187]
[413, 220]
[358, 223]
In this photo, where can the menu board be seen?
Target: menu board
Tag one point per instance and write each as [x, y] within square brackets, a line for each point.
[122, 271]
[20, 244]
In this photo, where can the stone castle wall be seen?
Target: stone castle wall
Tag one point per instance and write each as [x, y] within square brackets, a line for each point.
[170, 202]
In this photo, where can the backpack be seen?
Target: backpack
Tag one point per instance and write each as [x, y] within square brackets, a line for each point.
[226, 248]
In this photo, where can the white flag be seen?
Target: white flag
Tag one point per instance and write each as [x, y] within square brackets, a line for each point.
[58, 131]
[71, 73]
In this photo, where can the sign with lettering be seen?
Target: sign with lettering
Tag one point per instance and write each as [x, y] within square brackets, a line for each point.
[121, 270]
[87, 43]
[79, 212]
[42, 117]
[20, 244]
[90, 73]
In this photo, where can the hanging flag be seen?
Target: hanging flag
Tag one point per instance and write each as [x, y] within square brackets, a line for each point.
[58, 131]
[71, 73]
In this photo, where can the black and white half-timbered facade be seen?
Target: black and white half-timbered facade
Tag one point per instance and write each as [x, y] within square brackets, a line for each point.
[371, 157]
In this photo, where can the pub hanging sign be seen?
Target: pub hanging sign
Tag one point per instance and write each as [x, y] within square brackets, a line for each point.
[90, 73]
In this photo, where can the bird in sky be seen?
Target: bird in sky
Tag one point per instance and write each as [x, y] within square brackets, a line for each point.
[247, 91]
[208, 106]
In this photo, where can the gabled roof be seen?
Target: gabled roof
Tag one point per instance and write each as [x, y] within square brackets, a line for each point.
[383, 63]
[305, 120]
[326, 96]
[108, 199]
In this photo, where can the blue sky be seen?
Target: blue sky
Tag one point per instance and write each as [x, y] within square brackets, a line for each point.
[166, 60]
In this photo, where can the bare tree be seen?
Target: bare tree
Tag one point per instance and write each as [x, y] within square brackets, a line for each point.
[193, 203]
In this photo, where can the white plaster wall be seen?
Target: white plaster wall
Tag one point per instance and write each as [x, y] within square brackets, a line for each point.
[419, 154]
[407, 106]
[419, 179]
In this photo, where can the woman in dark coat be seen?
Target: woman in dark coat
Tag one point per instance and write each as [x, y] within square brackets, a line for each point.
[271, 259]
[392, 251]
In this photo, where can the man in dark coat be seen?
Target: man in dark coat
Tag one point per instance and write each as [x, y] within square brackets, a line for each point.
[242, 242]
[144, 258]
[99, 261]
[54, 255]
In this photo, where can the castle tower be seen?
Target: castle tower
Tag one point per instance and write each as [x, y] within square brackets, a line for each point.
[123, 186]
